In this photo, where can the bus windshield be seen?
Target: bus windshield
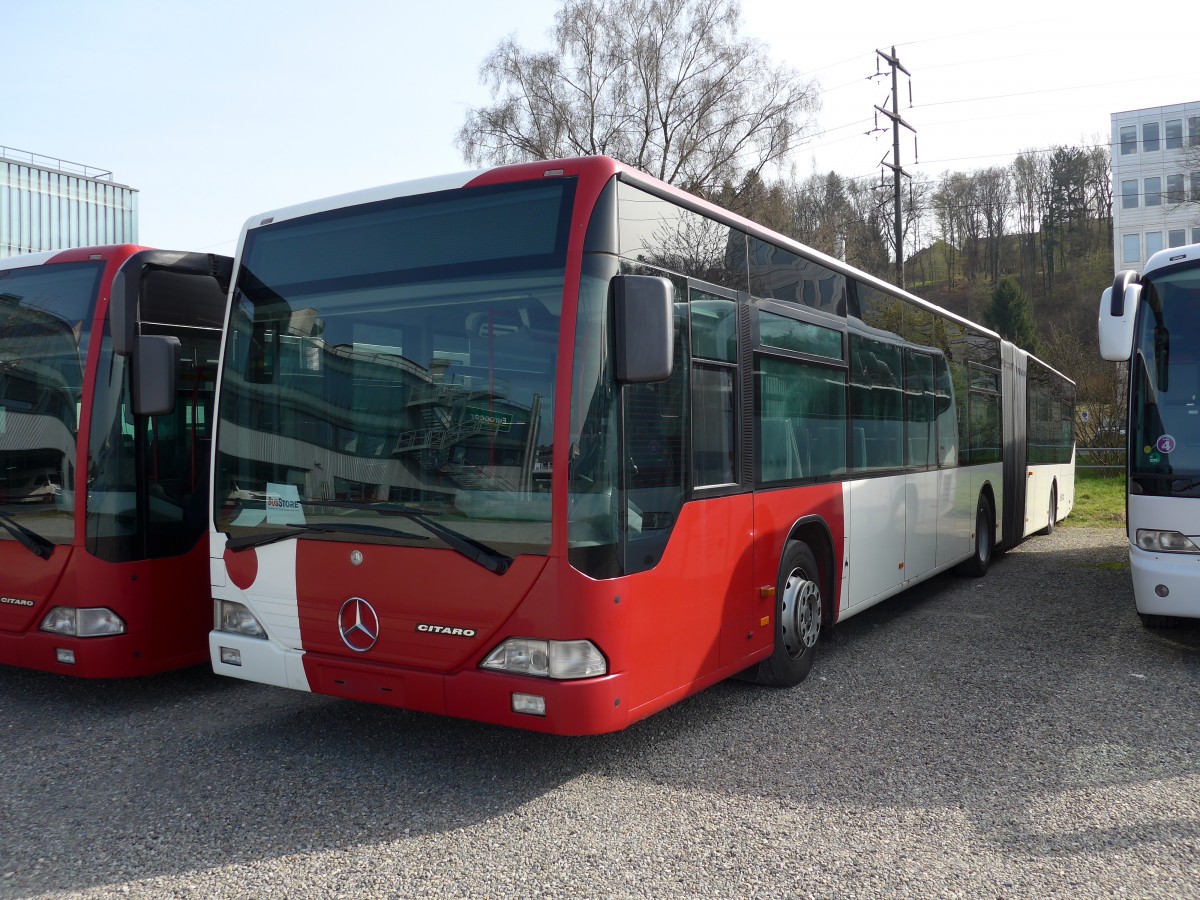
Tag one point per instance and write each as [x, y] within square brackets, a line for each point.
[1165, 413]
[397, 358]
[45, 321]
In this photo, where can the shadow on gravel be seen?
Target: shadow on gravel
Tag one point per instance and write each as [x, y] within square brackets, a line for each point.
[988, 695]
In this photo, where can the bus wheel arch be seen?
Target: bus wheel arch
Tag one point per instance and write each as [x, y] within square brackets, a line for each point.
[984, 540]
[814, 533]
[1052, 510]
[802, 605]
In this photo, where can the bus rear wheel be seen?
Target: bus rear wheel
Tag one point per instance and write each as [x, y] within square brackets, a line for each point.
[1053, 514]
[798, 616]
[977, 565]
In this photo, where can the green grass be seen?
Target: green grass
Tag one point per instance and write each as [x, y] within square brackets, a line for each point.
[1099, 501]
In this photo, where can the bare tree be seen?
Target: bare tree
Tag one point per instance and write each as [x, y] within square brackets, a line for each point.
[995, 195]
[1031, 174]
[868, 226]
[663, 85]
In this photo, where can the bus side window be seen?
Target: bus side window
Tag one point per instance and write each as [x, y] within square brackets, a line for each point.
[801, 410]
[946, 412]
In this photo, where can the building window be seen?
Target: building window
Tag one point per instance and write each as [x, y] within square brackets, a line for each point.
[1193, 130]
[1131, 249]
[1196, 235]
[1129, 137]
[1149, 137]
[1175, 237]
[1154, 191]
[1153, 243]
[1175, 189]
[1196, 187]
[1174, 134]
[1129, 194]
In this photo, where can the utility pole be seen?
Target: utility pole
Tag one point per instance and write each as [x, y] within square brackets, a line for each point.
[897, 170]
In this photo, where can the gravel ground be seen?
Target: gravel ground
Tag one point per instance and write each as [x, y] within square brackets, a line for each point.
[1016, 736]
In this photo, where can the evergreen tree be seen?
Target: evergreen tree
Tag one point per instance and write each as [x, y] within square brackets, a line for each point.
[1011, 314]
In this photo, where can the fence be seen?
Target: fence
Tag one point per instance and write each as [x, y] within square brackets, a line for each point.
[1101, 460]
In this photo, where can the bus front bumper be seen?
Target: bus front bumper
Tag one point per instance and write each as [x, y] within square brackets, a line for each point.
[109, 656]
[1165, 584]
[586, 706]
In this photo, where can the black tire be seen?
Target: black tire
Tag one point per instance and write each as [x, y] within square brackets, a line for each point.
[985, 542]
[799, 616]
[1053, 515]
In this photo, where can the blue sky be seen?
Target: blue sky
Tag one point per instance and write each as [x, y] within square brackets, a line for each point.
[218, 110]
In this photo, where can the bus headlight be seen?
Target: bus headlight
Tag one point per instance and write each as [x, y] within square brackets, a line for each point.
[74, 622]
[547, 659]
[1164, 541]
[236, 619]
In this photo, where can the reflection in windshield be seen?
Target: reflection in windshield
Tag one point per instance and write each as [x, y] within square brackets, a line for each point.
[376, 376]
[1165, 444]
[45, 316]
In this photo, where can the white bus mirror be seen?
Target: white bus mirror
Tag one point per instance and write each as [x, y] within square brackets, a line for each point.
[1118, 312]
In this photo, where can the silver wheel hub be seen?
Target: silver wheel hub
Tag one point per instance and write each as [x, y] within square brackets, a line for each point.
[800, 613]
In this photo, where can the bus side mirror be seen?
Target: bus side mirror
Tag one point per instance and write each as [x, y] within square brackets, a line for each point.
[155, 364]
[644, 323]
[1118, 311]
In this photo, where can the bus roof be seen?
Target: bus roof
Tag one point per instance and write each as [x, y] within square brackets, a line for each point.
[1172, 256]
[629, 173]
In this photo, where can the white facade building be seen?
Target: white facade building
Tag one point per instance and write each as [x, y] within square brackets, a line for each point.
[1155, 169]
[51, 204]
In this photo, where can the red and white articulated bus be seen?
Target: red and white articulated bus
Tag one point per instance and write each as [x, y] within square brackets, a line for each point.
[107, 373]
[556, 445]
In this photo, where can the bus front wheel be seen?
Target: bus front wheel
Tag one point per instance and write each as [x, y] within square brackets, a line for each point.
[798, 614]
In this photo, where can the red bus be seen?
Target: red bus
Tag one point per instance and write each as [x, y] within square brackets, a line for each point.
[107, 373]
[556, 445]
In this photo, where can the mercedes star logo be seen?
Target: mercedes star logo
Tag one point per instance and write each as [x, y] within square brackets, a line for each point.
[358, 624]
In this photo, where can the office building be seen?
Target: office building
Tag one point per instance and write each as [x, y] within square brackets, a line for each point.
[52, 204]
[1156, 181]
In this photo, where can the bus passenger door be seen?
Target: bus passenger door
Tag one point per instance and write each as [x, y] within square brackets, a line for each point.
[956, 497]
[921, 478]
[877, 494]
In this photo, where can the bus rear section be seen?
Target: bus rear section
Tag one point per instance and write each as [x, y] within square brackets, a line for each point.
[557, 445]
[1152, 320]
[107, 373]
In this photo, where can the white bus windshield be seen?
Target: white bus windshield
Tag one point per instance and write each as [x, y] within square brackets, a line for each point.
[1165, 413]
[398, 356]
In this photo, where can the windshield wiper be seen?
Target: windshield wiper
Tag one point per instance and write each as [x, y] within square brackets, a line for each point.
[476, 551]
[257, 540]
[27, 537]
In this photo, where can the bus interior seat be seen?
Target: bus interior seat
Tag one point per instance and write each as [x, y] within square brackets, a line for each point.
[781, 459]
[858, 460]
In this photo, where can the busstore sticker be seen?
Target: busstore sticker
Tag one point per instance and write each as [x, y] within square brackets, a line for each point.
[283, 504]
[488, 418]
